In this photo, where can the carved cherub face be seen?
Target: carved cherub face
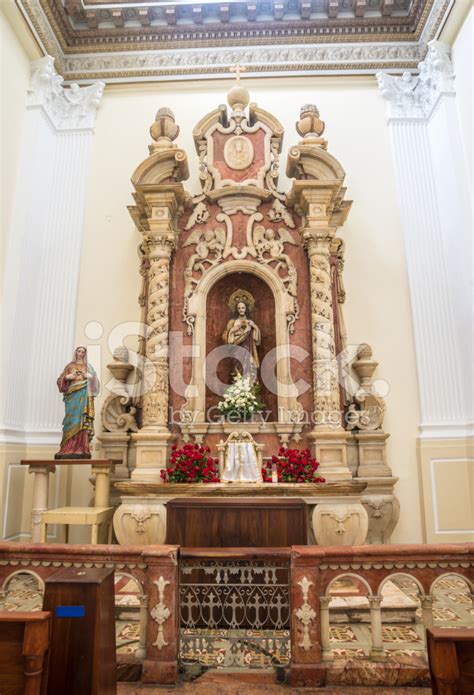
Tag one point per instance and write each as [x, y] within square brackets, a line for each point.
[269, 234]
[241, 309]
[208, 235]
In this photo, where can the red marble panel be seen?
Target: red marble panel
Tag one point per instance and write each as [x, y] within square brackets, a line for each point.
[218, 314]
[258, 141]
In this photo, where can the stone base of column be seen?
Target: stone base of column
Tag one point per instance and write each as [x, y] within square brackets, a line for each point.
[159, 672]
[330, 449]
[372, 454]
[377, 654]
[152, 454]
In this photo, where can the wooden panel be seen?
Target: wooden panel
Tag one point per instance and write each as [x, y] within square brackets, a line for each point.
[248, 522]
[24, 641]
[451, 660]
[83, 660]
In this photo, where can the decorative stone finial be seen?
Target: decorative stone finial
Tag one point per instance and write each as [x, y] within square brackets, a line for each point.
[164, 129]
[364, 365]
[310, 125]
[238, 97]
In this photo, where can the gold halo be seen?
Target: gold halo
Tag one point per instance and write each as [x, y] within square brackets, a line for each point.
[241, 296]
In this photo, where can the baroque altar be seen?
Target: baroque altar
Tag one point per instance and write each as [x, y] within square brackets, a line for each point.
[244, 278]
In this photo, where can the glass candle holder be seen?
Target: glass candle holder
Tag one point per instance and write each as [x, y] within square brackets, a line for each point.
[274, 473]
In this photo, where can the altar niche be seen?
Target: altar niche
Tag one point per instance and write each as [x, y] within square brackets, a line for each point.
[218, 315]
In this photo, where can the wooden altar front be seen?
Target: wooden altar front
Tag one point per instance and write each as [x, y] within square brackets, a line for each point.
[239, 522]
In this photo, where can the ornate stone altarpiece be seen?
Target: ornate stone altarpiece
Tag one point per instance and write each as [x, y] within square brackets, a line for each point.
[242, 233]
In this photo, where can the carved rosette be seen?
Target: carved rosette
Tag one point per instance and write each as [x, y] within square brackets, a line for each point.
[325, 370]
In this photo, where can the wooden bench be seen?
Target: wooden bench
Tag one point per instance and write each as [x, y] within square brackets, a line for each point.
[24, 644]
[451, 660]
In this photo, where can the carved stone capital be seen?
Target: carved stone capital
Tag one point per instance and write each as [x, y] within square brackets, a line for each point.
[415, 96]
[374, 602]
[72, 108]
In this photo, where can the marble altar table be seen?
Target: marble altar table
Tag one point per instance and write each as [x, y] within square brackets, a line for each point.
[336, 515]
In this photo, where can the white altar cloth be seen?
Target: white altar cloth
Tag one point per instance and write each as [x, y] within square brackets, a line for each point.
[241, 463]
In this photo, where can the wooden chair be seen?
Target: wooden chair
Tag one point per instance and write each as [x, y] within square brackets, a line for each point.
[451, 660]
[24, 644]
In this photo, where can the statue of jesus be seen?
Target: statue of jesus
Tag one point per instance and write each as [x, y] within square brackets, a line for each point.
[244, 332]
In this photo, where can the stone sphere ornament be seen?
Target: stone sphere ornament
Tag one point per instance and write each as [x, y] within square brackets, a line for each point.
[310, 125]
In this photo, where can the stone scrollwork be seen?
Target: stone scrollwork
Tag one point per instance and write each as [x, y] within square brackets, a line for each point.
[160, 612]
[118, 414]
[305, 614]
[199, 215]
[279, 213]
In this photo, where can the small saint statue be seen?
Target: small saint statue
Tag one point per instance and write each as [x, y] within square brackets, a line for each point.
[79, 385]
[243, 332]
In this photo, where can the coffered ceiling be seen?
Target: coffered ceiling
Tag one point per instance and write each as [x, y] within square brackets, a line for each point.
[118, 40]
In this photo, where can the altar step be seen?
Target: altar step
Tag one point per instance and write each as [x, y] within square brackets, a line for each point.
[243, 683]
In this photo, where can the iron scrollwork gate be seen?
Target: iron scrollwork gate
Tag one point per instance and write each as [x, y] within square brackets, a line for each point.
[235, 612]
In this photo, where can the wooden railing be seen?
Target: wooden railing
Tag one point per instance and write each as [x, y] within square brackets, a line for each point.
[312, 571]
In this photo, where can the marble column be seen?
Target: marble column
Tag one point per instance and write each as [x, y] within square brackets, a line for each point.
[44, 253]
[159, 199]
[327, 654]
[376, 652]
[436, 216]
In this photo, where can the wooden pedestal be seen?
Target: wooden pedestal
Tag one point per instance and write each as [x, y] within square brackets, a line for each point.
[245, 522]
[83, 659]
[24, 642]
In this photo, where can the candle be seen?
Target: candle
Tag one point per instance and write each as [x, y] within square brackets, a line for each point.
[274, 473]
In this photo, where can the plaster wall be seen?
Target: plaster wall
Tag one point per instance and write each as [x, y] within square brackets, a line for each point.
[462, 56]
[377, 308]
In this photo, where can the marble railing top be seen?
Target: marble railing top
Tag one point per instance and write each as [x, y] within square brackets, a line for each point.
[144, 489]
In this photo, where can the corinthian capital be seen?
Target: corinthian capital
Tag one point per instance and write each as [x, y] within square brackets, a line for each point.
[71, 108]
[415, 96]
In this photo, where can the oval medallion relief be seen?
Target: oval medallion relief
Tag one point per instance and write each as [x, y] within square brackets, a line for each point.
[238, 153]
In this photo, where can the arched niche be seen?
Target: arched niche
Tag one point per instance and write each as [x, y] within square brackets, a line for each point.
[289, 410]
[218, 314]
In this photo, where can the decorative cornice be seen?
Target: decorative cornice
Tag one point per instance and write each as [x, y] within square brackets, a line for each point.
[302, 46]
[74, 108]
[415, 97]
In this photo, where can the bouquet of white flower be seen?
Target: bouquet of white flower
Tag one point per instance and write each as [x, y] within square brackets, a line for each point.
[241, 399]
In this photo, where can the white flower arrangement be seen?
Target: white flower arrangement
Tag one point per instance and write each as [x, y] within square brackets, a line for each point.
[241, 398]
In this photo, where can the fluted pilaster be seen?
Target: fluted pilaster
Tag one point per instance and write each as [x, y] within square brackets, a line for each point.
[43, 257]
[436, 218]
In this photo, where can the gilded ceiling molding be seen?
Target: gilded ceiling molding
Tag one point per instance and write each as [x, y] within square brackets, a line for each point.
[341, 45]
[415, 96]
[73, 108]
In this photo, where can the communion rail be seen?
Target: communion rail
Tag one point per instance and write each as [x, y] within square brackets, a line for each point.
[286, 589]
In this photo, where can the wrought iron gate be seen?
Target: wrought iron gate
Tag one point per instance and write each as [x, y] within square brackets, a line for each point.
[235, 612]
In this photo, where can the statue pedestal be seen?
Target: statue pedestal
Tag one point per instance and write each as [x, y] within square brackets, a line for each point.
[330, 449]
[151, 454]
[336, 515]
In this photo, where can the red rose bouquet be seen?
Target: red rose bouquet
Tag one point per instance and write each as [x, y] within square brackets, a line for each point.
[292, 466]
[191, 464]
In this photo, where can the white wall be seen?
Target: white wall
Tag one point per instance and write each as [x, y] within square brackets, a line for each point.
[377, 307]
[463, 57]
